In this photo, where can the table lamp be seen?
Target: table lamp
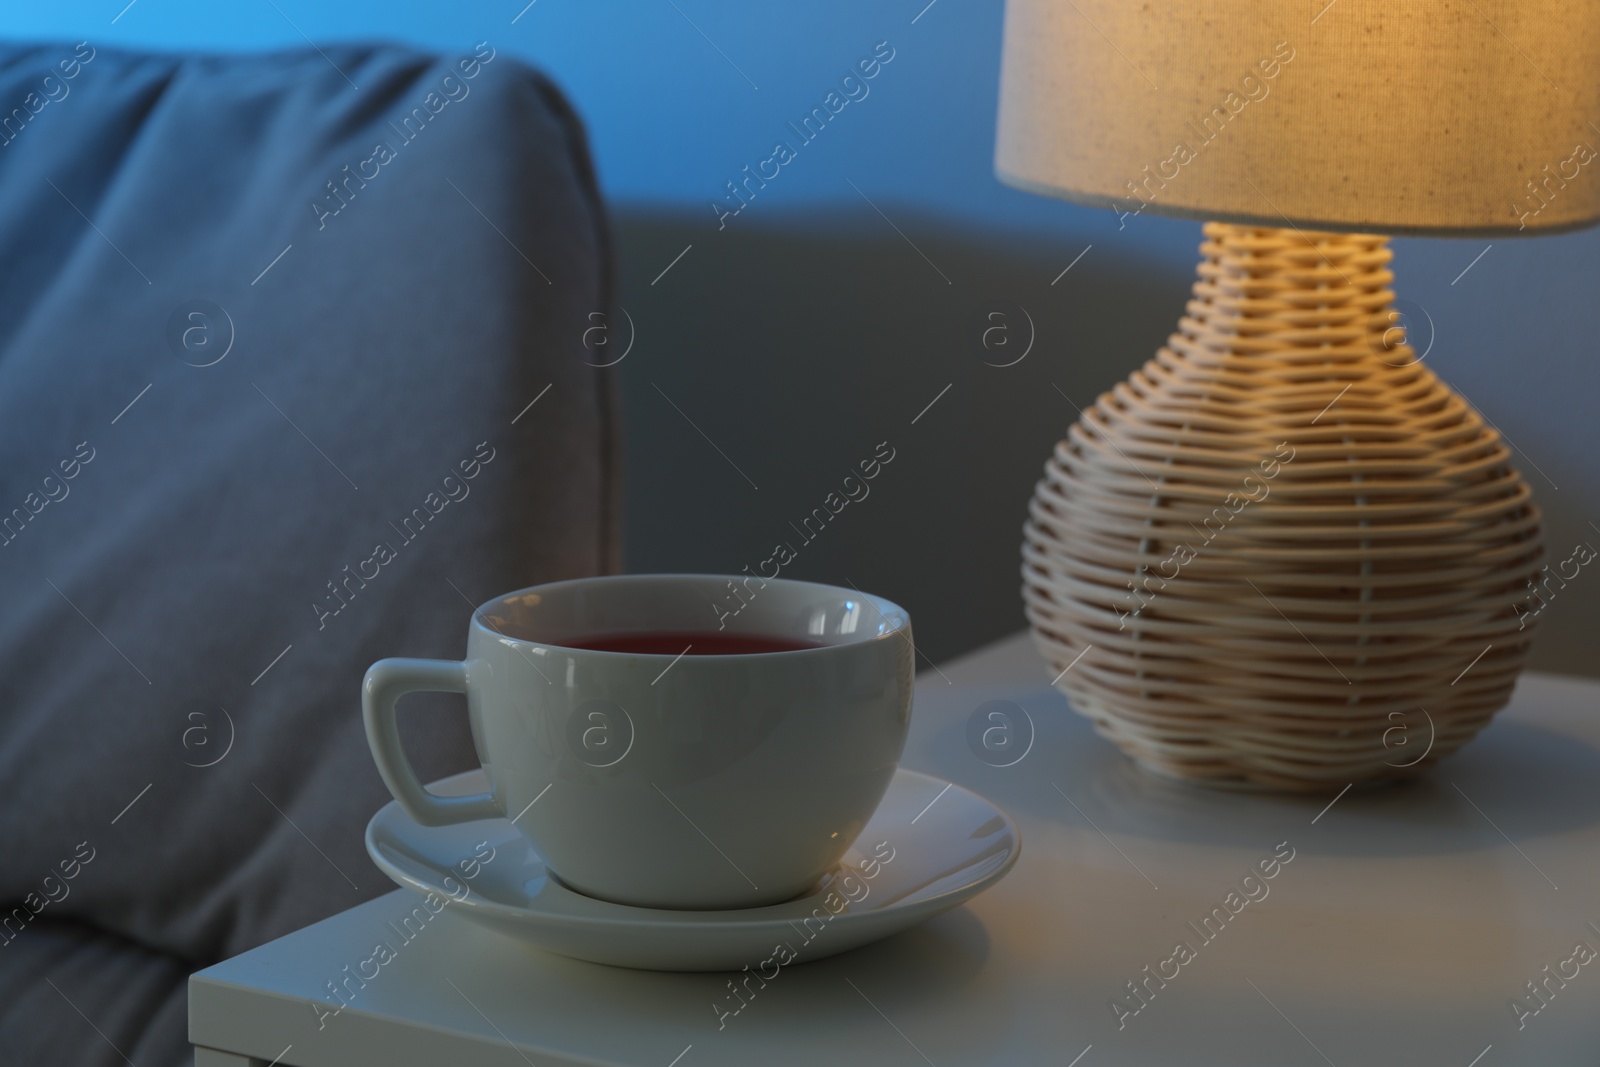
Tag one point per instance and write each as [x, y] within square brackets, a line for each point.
[1284, 554]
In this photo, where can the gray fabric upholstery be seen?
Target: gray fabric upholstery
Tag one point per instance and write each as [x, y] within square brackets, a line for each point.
[168, 568]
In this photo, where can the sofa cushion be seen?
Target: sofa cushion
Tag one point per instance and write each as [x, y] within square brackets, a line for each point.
[270, 335]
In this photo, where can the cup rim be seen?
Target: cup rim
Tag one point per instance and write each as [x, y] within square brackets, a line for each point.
[887, 609]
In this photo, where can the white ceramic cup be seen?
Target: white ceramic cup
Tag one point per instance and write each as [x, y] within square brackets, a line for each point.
[687, 782]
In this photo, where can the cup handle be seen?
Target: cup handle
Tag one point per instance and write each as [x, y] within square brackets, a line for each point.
[386, 682]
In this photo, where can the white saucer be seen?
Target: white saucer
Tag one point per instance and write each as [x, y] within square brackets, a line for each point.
[941, 845]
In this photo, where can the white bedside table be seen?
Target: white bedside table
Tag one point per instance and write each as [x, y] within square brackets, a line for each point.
[1399, 932]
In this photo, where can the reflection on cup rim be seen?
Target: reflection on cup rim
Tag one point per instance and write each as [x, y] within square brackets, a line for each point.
[894, 622]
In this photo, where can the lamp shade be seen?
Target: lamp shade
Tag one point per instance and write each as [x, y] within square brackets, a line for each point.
[1456, 117]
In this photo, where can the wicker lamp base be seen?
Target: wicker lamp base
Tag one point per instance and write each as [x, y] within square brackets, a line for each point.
[1283, 554]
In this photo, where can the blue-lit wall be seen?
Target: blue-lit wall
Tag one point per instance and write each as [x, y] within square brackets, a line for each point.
[674, 114]
[816, 278]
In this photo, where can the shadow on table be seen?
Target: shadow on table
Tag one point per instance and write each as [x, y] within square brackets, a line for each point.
[937, 961]
[939, 956]
[1524, 780]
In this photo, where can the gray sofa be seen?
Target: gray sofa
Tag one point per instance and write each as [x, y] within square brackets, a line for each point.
[269, 335]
